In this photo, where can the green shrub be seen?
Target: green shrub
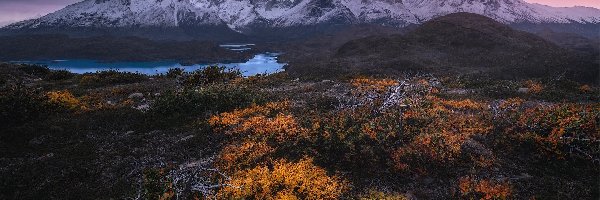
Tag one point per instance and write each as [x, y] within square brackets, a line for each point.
[56, 75]
[111, 77]
[156, 185]
[175, 72]
[21, 109]
[177, 107]
[35, 70]
[20, 105]
[212, 74]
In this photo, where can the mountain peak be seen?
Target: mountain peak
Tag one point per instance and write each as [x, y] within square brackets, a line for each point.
[244, 15]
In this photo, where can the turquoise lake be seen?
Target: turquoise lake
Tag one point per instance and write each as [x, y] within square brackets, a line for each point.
[265, 63]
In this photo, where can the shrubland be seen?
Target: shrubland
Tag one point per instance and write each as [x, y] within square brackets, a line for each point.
[213, 134]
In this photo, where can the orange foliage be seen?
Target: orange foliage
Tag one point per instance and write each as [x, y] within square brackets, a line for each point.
[557, 125]
[259, 121]
[285, 180]
[511, 104]
[484, 189]
[64, 98]
[464, 104]
[249, 153]
[440, 129]
[534, 86]
[585, 89]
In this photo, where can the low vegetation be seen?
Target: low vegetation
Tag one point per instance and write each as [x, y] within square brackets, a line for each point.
[213, 134]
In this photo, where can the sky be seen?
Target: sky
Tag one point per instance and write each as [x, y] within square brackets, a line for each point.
[16, 10]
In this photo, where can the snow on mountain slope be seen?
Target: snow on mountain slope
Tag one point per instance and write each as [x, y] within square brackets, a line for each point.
[507, 11]
[243, 14]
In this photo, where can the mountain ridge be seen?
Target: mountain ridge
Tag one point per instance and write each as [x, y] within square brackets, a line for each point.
[244, 16]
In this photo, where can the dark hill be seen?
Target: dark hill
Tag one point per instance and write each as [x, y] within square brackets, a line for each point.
[111, 48]
[460, 43]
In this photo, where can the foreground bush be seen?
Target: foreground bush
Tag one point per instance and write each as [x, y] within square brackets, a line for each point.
[45, 73]
[20, 105]
[259, 122]
[211, 74]
[440, 129]
[484, 189]
[64, 99]
[177, 107]
[285, 180]
[110, 77]
[565, 129]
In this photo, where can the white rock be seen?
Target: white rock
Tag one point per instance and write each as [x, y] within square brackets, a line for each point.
[523, 90]
[136, 96]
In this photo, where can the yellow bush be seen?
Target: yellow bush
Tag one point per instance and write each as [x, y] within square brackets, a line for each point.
[235, 117]
[260, 122]
[237, 156]
[285, 180]
[64, 98]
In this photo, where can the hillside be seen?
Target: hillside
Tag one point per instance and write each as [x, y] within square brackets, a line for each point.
[108, 48]
[460, 43]
[213, 134]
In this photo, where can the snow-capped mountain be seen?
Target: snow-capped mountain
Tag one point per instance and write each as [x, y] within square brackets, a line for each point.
[243, 15]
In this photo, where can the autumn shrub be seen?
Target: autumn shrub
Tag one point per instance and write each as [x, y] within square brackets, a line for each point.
[585, 89]
[261, 122]
[484, 189]
[437, 131]
[248, 154]
[378, 85]
[212, 74]
[102, 78]
[560, 128]
[284, 180]
[535, 87]
[64, 99]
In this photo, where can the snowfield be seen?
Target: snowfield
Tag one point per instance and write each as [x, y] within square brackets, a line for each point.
[242, 14]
